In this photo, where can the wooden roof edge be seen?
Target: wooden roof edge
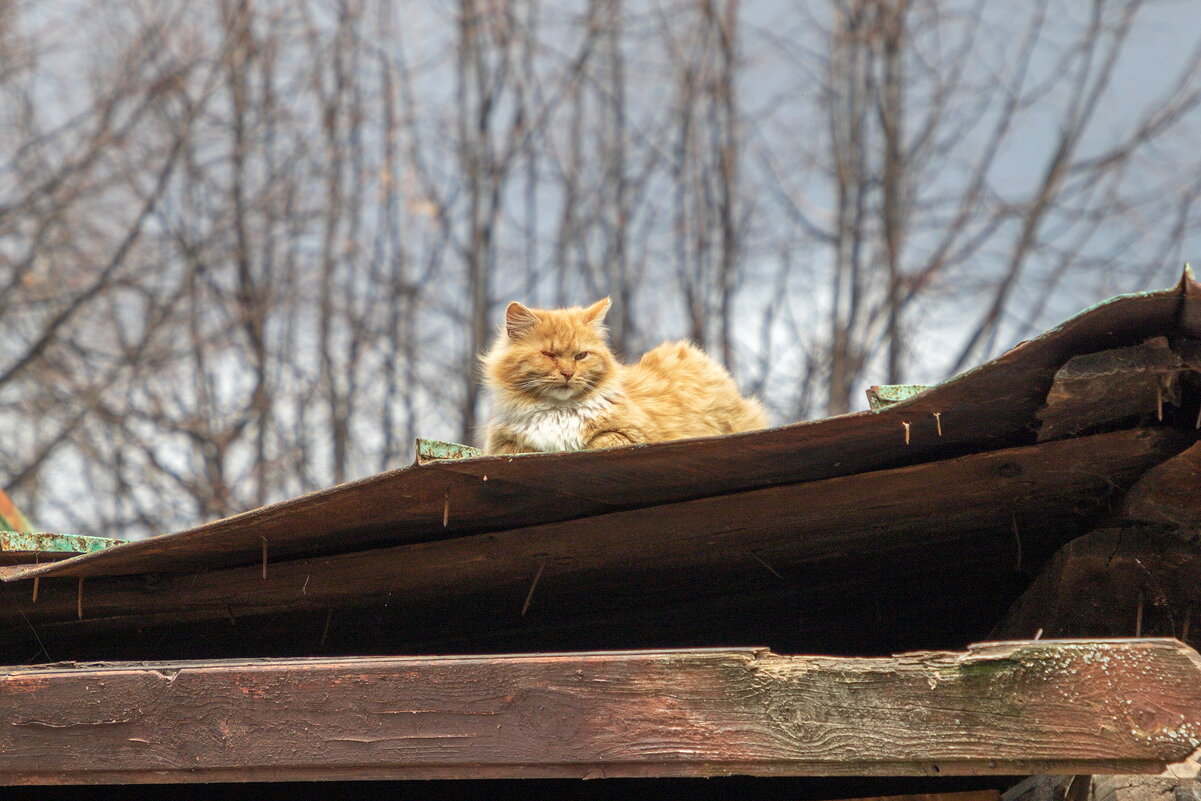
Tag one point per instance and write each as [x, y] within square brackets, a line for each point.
[991, 403]
[1009, 488]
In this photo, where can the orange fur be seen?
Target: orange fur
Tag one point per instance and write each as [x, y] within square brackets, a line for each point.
[555, 385]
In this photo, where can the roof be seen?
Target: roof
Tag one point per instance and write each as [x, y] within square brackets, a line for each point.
[956, 469]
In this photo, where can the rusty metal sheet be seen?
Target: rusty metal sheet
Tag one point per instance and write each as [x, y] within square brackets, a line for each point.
[990, 407]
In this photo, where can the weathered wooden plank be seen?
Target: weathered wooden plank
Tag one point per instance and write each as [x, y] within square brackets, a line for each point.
[999, 708]
[921, 506]
[1111, 385]
[860, 603]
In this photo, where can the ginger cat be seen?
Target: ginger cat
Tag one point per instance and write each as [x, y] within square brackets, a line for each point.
[555, 386]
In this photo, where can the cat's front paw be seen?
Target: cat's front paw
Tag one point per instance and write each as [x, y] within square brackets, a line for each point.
[608, 439]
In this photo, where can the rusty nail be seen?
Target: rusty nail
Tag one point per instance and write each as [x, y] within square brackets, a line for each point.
[329, 614]
[1138, 617]
[1159, 403]
[1038, 634]
[264, 539]
[79, 599]
[906, 424]
[446, 510]
[938, 422]
[529, 596]
[36, 579]
[770, 569]
[1017, 538]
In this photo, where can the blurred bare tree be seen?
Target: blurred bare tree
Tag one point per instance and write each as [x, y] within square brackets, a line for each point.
[252, 248]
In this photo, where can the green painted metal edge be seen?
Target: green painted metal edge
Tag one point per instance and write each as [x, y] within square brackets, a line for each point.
[17, 535]
[432, 450]
[885, 395]
[1186, 287]
[47, 542]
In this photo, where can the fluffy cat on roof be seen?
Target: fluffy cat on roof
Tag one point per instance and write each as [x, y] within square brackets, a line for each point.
[555, 386]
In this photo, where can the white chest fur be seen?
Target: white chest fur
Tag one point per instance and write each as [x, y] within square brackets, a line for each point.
[556, 428]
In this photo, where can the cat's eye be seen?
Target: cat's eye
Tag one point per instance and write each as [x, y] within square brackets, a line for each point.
[548, 354]
[581, 355]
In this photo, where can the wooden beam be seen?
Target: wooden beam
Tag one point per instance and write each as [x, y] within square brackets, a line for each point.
[1115, 582]
[1040, 489]
[1098, 388]
[1168, 493]
[1128, 706]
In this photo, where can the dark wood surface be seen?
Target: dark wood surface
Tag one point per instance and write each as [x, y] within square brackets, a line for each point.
[857, 605]
[1115, 582]
[1001, 708]
[1169, 493]
[990, 407]
[932, 512]
[1098, 388]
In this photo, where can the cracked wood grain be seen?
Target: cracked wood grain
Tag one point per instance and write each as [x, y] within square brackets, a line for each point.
[1124, 706]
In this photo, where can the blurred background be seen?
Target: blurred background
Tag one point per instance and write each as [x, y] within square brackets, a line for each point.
[251, 248]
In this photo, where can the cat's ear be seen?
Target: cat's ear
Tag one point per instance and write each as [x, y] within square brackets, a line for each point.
[595, 313]
[519, 320]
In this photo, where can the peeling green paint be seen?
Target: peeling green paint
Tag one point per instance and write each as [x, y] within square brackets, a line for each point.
[47, 542]
[18, 536]
[431, 450]
[885, 395]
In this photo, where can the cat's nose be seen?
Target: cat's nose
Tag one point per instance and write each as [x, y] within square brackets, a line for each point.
[567, 374]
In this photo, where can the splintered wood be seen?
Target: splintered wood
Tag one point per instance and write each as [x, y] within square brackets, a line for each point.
[1099, 388]
[1000, 708]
